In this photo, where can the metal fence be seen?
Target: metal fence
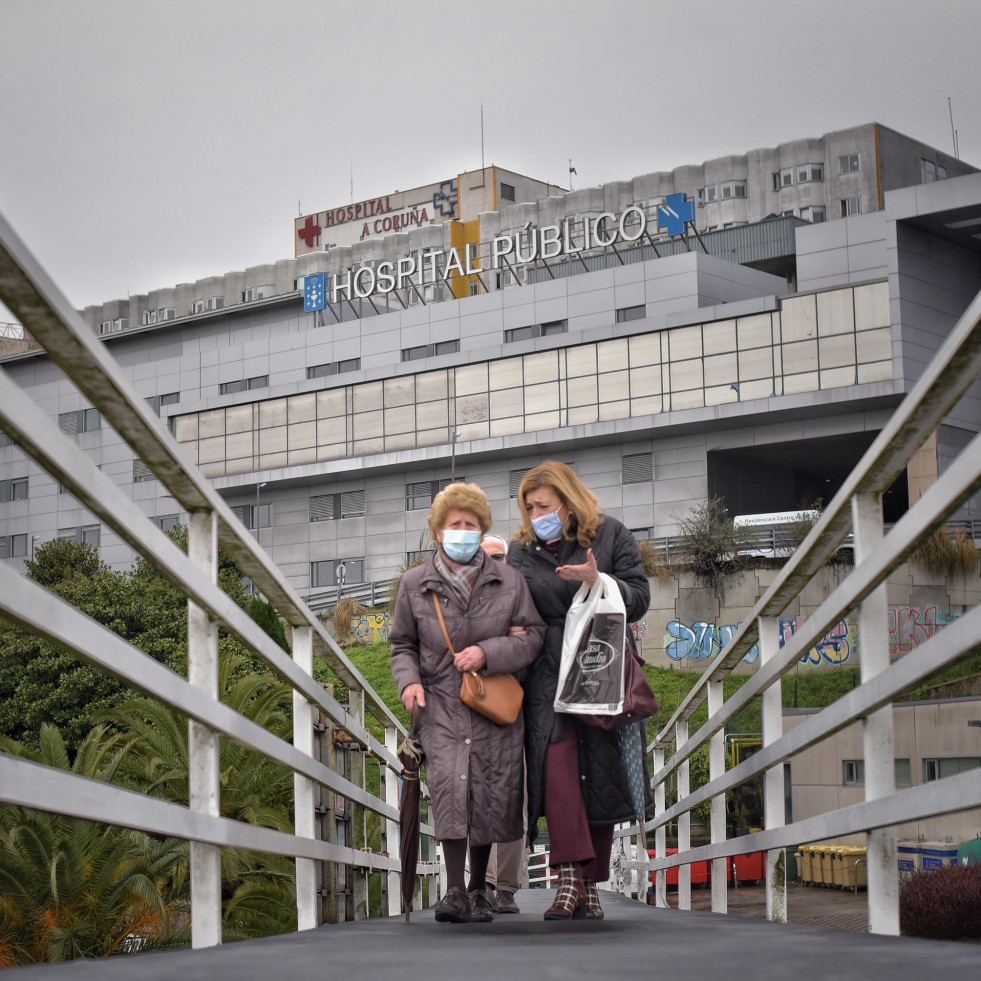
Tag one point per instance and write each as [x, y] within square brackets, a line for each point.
[331, 872]
[855, 511]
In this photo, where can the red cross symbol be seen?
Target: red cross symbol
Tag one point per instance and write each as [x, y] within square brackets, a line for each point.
[309, 232]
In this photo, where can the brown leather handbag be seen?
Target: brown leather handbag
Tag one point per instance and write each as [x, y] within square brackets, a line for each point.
[498, 696]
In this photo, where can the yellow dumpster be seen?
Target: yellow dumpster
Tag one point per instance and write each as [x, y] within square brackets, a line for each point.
[804, 868]
[851, 868]
[827, 864]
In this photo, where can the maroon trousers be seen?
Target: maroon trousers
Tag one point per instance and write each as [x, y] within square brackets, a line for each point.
[570, 835]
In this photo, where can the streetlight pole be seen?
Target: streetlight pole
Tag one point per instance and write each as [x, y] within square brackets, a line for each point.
[453, 439]
[258, 487]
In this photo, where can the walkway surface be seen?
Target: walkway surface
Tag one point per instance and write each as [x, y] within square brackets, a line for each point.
[633, 941]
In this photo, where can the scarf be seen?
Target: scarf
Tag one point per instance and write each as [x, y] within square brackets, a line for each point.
[461, 578]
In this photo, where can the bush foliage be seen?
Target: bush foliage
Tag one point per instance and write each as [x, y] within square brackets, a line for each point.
[942, 904]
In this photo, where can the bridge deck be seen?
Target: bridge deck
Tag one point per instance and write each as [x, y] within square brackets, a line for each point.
[633, 941]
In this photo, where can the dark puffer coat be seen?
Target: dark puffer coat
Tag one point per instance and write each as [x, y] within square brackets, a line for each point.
[473, 766]
[604, 781]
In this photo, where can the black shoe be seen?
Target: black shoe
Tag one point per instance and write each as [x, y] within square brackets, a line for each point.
[492, 897]
[454, 907]
[506, 903]
[481, 910]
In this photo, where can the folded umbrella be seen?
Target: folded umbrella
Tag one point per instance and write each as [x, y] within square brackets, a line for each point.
[411, 757]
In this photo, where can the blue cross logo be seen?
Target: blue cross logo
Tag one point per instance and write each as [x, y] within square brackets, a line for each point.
[675, 214]
[444, 200]
[315, 292]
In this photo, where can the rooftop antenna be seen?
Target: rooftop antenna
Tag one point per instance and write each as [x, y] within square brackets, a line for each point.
[352, 180]
[481, 136]
[953, 132]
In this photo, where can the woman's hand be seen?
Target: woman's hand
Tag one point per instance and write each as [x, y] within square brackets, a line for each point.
[587, 573]
[470, 658]
[413, 695]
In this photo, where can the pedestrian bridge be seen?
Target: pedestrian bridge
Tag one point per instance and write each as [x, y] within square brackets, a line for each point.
[339, 866]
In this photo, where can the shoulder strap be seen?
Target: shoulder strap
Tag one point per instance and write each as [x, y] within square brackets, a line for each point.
[442, 623]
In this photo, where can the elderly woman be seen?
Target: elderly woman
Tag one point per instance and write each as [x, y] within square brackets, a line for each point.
[576, 776]
[474, 767]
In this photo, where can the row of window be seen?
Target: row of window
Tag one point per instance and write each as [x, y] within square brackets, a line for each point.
[848, 163]
[334, 368]
[244, 385]
[13, 490]
[15, 546]
[937, 768]
[721, 192]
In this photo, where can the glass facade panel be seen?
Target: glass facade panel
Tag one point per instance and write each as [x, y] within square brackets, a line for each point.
[798, 319]
[240, 446]
[211, 450]
[471, 379]
[644, 382]
[541, 420]
[429, 415]
[472, 409]
[613, 385]
[720, 394]
[835, 312]
[474, 430]
[301, 435]
[272, 414]
[368, 425]
[507, 427]
[541, 367]
[368, 397]
[645, 349]
[399, 391]
[302, 408]
[212, 423]
[186, 428]
[272, 440]
[502, 373]
[581, 415]
[692, 399]
[614, 410]
[330, 432]
[837, 350]
[761, 389]
[720, 337]
[581, 361]
[872, 306]
[403, 441]
[613, 355]
[754, 331]
[837, 377]
[720, 368]
[686, 375]
[874, 345]
[331, 403]
[801, 356]
[431, 385]
[238, 419]
[506, 403]
[400, 420]
[685, 342]
[541, 398]
[645, 406]
[582, 391]
[306, 455]
[795, 384]
[875, 371]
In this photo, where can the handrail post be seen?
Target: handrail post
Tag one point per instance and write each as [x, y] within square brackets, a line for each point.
[717, 768]
[660, 834]
[390, 829]
[204, 789]
[773, 784]
[880, 772]
[358, 775]
[684, 821]
[307, 899]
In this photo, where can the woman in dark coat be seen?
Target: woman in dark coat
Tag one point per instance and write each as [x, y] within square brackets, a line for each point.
[576, 776]
[474, 767]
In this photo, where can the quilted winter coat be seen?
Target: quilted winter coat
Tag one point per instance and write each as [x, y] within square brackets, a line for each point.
[473, 766]
[604, 779]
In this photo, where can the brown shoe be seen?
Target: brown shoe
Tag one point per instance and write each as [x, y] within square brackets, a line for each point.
[481, 910]
[454, 907]
[570, 900]
[506, 903]
[593, 909]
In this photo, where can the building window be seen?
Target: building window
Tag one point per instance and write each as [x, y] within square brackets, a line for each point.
[13, 546]
[329, 572]
[514, 480]
[82, 421]
[734, 189]
[849, 163]
[334, 368]
[417, 558]
[420, 494]
[853, 773]
[166, 313]
[142, 472]
[333, 507]
[258, 292]
[548, 329]
[244, 385]
[209, 303]
[246, 514]
[783, 178]
[475, 289]
[851, 206]
[631, 313]
[13, 490]
[430, 350]
[638, 468]
[87, 534]
[114, 326]
[937, 769]
[5, 440]
[157, 402]
[166, 522]
[711, 194]
[810, 172]
[507, 192]
[814, 213]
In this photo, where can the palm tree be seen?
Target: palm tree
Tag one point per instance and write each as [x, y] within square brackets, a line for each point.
[71, 888]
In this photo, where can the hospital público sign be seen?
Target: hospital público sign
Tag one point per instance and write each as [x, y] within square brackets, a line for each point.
[583, 233]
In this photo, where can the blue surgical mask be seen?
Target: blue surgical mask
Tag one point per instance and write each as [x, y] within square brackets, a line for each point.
[549, 526]
[460, 545]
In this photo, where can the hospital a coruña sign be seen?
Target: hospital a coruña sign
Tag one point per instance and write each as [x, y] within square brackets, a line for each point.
[428, 266]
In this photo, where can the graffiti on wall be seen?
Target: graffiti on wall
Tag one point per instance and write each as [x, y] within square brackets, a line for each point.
[908, 628]
[367, 629]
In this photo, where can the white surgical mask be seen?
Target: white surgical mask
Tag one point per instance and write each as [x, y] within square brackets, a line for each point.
[549, 526]
[460, 545]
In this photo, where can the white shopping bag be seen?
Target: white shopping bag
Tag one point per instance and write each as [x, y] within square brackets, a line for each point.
[593, 645]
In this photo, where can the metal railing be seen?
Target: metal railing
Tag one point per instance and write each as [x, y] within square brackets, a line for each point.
[31, 295]
[368, 594]
[855, 510]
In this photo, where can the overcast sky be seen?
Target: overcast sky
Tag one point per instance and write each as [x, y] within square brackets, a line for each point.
[145, 144]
